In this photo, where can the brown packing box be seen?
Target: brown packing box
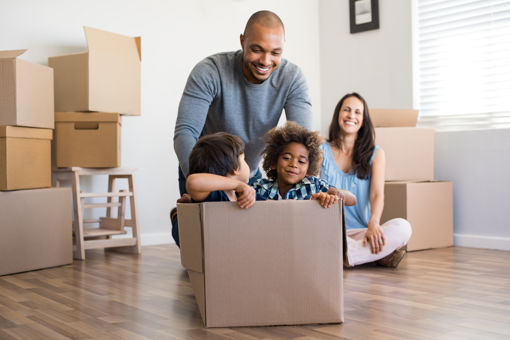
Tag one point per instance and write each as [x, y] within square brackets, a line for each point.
[276, 263]
[25, 158]
[428, 206]
[107, 78]
[35, 229]
[409, 152]
[87, 139]
[393, 117]
[26, 92]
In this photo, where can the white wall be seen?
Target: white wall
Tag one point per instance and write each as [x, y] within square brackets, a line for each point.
[377, 64]
[175, 35]
[478, 164]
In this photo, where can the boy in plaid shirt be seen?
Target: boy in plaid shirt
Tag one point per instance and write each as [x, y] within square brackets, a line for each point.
[292, 158]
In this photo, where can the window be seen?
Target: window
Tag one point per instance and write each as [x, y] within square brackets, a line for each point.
[463, 63]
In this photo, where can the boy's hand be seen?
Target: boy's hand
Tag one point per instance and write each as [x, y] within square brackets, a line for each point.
[246, 195]
[325, 200]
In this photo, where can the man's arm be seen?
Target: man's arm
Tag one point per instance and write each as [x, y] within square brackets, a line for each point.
[298, 106]
[198, 94]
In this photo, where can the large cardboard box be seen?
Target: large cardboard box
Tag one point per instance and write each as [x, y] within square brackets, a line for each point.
[35, 229]
[428, 206]
[276, 263]
[26, 92]
[87, 139]
[107, 78]
[25, 158]
[409, 152]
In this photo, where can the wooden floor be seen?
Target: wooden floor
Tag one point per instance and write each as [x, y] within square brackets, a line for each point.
[451, 293]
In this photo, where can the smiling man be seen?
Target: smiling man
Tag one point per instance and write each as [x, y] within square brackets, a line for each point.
[242, 92]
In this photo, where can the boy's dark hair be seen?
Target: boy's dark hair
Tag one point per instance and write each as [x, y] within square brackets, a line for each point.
[365, 143]
[217, 153]
[277, 138]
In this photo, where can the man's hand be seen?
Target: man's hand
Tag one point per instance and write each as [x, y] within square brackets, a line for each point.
[347, 196]
[184, 199]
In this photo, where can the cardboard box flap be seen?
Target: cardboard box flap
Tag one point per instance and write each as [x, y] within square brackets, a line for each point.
[108, 43]
[190, 215]
[393, 117]
[87, 117]
[10, 54]
[22, 132]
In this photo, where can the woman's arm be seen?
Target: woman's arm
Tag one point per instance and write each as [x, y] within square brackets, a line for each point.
[199, 186]
[374, 235]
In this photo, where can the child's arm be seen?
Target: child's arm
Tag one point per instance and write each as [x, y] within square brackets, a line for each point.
[199, 186]
[325, 199]
[347, 196]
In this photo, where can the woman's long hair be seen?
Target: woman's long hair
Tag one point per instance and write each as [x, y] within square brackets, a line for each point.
[364, 145]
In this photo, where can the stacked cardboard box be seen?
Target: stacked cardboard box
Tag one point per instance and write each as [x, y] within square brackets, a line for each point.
[26, 122]
[410, 189]
[92, 90]
[250, 270]
[35, 224]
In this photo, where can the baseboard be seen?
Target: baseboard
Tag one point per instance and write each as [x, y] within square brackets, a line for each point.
[150, 239]
[479, 241]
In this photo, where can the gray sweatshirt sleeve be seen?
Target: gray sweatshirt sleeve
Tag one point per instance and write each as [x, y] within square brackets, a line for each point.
[298, 106]
[196, 99]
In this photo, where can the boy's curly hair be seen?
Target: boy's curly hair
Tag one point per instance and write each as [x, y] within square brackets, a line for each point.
[277, 138]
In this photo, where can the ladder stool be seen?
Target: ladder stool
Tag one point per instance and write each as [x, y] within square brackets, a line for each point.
[101, 236]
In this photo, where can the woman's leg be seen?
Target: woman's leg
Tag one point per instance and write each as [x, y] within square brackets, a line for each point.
[396, 231]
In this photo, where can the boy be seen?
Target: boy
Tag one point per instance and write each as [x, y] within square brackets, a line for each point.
[292, 158]
[217, 172]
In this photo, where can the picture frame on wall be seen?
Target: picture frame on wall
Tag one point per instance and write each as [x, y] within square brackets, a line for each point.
[364, 15]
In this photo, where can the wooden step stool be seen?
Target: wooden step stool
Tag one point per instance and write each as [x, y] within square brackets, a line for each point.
[101, 237]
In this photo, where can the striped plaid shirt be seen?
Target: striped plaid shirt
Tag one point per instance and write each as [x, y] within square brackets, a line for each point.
[267, 189]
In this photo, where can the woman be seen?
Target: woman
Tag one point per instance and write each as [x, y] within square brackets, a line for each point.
[352, 162]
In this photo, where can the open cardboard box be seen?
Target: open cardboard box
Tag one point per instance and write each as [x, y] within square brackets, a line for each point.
[393, 117]
[107, 78]
[87, 139]
[276, 263]
[26, 92]
[25, 158]
[428, 206]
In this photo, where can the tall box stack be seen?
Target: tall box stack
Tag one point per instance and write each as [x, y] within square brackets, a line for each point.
[92, 90]
[35, 221]
[410, 189]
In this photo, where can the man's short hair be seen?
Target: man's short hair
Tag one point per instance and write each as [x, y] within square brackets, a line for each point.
[264, 18]
[217, 153]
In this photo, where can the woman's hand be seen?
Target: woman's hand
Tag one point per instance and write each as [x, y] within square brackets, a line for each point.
[375, 238]
[246, 195]
[325, 200]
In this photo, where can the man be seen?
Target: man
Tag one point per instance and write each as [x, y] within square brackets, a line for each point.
[243, 93]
